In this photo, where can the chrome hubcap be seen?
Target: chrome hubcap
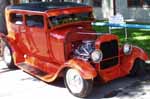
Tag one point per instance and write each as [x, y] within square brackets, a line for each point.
[7, 55]
[74, 81]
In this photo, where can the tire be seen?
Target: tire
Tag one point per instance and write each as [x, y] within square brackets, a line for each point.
[76, 85]
[138, 69]
[7, 56]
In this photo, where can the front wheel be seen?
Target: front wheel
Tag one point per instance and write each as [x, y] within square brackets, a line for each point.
[76, 85]
[138, 68]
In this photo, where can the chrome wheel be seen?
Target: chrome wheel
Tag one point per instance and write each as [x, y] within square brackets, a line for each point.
[74, 81]
[7, 55]
[76, 85]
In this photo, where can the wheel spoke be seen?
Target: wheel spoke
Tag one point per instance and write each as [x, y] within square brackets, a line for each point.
[74, 81]
[7, 55]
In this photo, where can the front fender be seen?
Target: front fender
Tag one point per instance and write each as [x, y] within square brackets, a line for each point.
[86, 70]
[127, 61]
[138, 53]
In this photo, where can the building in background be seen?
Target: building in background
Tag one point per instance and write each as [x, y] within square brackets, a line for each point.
[134, 9]
[3, 4]
[138, 10]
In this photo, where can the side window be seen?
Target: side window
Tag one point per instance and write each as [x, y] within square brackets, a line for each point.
[97, 3]
[34, 21]
[16, 18]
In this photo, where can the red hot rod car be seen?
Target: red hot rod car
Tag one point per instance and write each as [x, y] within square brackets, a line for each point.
[51, 40]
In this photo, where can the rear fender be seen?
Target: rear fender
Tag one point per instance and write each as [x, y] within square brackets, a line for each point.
[86, 70]
[2, 35]
[127, 61]
[17, 54]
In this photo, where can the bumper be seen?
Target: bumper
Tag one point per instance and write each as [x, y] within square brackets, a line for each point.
[147, 62]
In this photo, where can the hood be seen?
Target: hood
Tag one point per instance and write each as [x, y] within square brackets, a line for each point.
[70, 30]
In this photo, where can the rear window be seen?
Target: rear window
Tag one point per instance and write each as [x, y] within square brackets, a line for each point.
[16, 18]
[34, 21]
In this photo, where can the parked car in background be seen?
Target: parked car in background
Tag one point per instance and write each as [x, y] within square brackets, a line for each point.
[51, 40]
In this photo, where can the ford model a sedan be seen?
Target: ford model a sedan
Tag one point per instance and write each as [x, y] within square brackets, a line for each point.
[51, 40]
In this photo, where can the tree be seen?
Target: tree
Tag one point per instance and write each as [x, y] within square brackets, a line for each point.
[35, 0]
[3, 4]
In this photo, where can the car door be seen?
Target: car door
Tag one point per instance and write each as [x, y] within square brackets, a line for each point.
[17, 28]
[36, 35]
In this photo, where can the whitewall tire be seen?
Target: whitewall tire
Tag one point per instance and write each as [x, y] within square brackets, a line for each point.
[76, 85]
[7, 56]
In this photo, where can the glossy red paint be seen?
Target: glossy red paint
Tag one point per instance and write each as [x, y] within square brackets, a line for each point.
[128, 61]
[125, 61]
[49, 49]
[44, 48]
[85, 68]
[113, 72]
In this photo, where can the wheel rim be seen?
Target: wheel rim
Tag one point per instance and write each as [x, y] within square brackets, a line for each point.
[74, 81]
[7, 55]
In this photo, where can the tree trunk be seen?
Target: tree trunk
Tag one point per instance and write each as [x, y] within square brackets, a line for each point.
[3, 4]
[35, 0]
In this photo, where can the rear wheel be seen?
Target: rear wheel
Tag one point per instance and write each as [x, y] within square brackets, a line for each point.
[76, 85]
[7, 56]
[138, 68]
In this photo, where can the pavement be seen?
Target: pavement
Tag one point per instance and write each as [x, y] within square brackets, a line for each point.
[16, 84]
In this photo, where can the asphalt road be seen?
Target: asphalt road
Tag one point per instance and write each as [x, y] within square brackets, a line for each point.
[17, 84]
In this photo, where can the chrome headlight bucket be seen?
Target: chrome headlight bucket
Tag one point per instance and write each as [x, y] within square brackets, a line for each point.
[96, 56]
[127, 49]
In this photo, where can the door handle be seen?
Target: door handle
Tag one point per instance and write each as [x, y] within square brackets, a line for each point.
[23, 30]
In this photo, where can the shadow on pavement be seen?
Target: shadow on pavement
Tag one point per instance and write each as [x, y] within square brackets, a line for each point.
[3, 70]
[126, 87]
[122, 88]
[30, 78]
[58, 83]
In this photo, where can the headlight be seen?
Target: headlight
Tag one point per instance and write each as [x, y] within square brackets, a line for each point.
[127, 49]
[96, 56]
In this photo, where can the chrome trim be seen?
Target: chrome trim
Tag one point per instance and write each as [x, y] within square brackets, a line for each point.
[147, 61]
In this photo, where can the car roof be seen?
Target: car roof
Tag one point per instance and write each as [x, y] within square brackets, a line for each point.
[44, 6]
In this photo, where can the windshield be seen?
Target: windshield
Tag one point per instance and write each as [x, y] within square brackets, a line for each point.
[69, 18]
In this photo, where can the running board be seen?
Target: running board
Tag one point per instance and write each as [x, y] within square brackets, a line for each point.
[35, 72]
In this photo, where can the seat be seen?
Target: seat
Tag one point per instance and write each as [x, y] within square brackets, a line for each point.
[117, 19]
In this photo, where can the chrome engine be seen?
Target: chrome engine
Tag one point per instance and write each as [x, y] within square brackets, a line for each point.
[84, 50]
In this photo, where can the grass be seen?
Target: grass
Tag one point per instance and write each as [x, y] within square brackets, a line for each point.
[139, 37]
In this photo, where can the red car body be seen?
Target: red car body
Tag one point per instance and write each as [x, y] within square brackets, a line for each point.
[46, 52]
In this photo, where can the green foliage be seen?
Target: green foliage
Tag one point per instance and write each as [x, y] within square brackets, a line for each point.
[139, 37]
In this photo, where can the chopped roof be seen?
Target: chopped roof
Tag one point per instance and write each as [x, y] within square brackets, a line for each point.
[44, 6]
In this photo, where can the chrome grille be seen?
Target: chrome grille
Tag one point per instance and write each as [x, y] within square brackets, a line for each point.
[110, 54]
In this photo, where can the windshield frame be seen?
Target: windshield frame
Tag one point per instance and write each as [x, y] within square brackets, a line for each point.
[70, 18]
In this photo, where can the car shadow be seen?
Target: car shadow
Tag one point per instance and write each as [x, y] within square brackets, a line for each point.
[121, 88]
[31, 78]
[58, 83]
[4, 70]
